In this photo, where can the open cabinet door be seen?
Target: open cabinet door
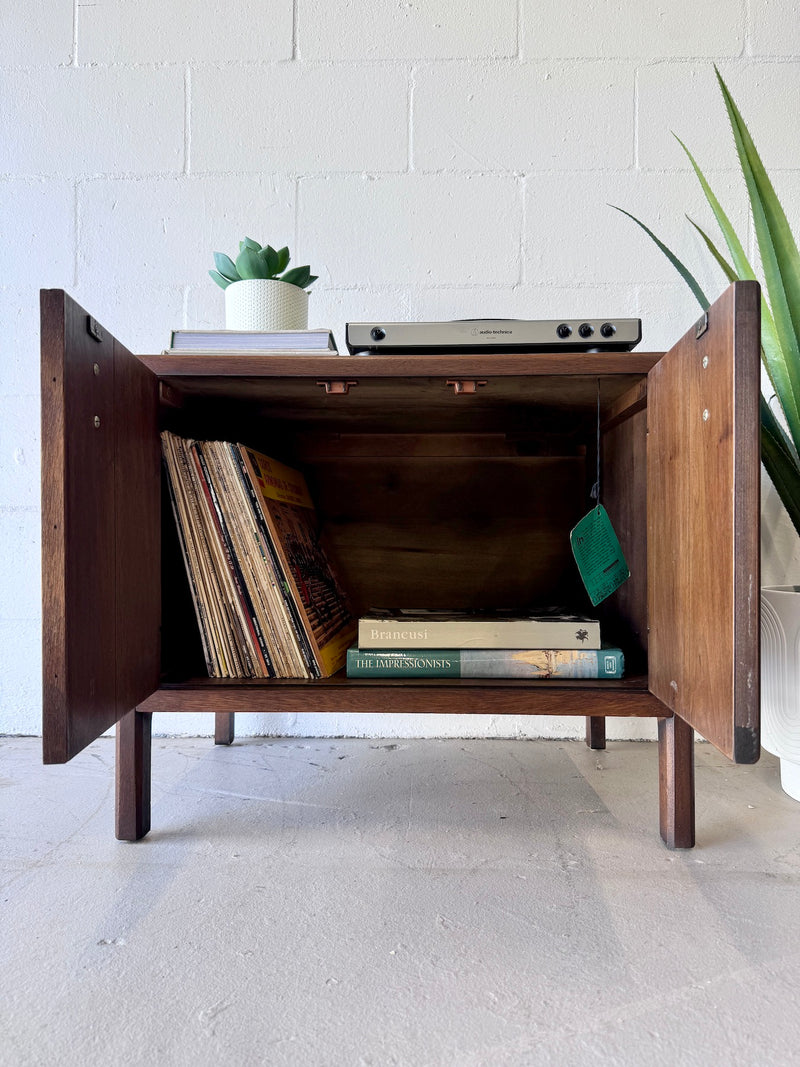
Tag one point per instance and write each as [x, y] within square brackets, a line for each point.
[100, 529]
[703, 513]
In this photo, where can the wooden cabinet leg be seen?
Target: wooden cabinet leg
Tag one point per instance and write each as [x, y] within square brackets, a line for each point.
[676, 782]
[223, 727]
[133, 776]
[596, 731]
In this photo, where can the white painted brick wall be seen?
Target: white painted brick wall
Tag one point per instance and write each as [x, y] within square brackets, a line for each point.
[627, 29]
[173, 222]
[38, 230]
[204, 31]
[36, 33]
[430, 160]
[354, 30]
[316, 118]
[523, 117]
[413, 228]
[73, 121]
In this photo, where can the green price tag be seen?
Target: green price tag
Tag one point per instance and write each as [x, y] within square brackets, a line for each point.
[598, 554]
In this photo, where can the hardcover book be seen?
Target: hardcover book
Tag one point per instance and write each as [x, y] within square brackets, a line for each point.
[402, 630]
[485, 663]
[196, 342]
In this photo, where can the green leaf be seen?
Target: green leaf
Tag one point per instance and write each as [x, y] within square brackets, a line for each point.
[771, 355]
[727, 269]
[769, 339]
[740, 261]
[776, 431]
[684, 272]
[780, 313]
[222, 282]
[226, 267]
[283, 259]
[299, 276]
[780, 262]
[248, 242]
[781, 462]
[772, 351]
[271, 259]
[250, 265]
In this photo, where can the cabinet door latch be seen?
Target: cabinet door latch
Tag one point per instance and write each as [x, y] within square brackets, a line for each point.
[465, 385]
[94, 329]
[337, 385]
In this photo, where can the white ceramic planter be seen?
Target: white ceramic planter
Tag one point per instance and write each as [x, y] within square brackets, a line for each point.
[780, 680]
[265, 304]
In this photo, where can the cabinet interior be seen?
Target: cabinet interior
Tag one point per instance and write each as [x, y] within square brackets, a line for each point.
[431, 498]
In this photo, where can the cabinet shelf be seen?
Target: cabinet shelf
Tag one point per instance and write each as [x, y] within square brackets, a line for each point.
[491, 696]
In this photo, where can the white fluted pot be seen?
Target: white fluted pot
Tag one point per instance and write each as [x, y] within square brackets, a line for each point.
[780, 680]
[265, 304]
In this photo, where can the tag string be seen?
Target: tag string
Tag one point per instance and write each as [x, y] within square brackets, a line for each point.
[595, 494]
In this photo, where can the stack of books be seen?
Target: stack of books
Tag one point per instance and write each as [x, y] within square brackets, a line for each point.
[252, 342]
[267, 602]
[436, 645]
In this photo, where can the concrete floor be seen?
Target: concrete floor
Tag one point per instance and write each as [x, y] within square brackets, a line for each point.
[350, 903]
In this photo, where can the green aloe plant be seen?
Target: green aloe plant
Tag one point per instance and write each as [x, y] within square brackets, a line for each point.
[254, 261]
[780, 308]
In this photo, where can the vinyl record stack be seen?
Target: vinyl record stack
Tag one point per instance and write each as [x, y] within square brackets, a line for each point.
[267, 602]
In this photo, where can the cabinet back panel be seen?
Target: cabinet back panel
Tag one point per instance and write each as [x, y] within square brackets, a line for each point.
[451, 533]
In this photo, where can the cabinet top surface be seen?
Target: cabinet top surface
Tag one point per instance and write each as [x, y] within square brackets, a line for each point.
[458, 365]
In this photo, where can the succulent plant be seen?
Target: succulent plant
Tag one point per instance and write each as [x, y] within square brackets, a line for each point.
[254, 261]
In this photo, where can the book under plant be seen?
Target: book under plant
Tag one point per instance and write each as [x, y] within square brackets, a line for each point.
[282, 342]
[267, 602]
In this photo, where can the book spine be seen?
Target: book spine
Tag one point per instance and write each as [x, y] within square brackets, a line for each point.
[383, 663]
[485, 663]
[478, 634]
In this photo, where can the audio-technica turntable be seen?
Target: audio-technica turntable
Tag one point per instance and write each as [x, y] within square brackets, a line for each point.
[496, 335]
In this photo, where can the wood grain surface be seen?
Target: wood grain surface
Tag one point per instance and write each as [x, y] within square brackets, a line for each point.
[100, 529]
[627, 697]
[78, 537]
[676, 794]
[703, 525]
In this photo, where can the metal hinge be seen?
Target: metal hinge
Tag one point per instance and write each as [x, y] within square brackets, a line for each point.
[465, 385]
[337, 386]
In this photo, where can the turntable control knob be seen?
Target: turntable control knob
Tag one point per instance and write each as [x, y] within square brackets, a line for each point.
[585, 330]
[608, 329]
[563, 330]
[377, 333]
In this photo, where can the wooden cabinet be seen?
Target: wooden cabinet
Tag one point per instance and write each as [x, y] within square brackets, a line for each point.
[441, 481]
